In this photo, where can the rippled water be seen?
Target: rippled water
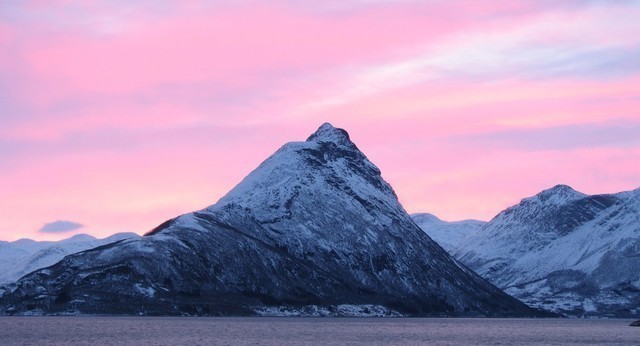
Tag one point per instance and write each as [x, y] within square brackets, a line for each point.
[311, 331]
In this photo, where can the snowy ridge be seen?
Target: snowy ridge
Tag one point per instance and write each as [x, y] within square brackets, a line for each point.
[315, 225]
[447, 234]
[25, 255]
[564, 251]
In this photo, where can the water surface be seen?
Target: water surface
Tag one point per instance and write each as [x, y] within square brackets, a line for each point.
[312, 331]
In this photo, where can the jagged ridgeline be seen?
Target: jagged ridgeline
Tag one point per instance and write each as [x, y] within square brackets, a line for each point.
[564, 251]
[313, 228]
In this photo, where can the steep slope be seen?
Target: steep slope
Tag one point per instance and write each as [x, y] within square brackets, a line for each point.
[564, 251]
[447, 234]
[313, 228]
[25, 255]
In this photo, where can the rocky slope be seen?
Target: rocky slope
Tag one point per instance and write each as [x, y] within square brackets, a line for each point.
[564, 251]
[25, 255]
[447, 234]
[313, 228]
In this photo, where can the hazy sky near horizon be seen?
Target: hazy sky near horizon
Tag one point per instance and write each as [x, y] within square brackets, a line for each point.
[117, 115]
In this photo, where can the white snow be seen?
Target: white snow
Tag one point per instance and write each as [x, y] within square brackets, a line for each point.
[147, 291]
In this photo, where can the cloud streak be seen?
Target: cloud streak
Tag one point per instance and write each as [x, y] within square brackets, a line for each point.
[619, 134]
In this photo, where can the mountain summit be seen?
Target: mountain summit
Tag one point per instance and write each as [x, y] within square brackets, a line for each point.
[314, 229]
[328, 133]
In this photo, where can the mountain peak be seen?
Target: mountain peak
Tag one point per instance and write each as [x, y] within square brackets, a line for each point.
[80, 237]
[328, 133]
[560, 190]
[327, 161]
[557, 195]
[425, 218]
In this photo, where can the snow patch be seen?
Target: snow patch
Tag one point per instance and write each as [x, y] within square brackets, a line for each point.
[147, 291]
[342, 310]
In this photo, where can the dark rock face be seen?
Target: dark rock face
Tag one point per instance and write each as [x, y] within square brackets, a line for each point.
[564, 251]
[313, 225]
[635, 324]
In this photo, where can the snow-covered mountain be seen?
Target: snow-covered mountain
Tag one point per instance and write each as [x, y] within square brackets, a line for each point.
[314, 229]
[25, 255]
[447, 234]
[564, 251]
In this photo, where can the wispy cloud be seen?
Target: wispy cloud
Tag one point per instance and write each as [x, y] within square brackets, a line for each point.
[593, 43]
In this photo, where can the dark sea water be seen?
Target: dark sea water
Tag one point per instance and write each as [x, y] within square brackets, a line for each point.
[312, 331]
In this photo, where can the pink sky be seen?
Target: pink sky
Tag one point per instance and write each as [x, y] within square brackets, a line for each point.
[118, 115]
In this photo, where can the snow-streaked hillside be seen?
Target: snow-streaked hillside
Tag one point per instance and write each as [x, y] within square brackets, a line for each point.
[314, 227]
[447, 234]
[564, 251]
[25, 255]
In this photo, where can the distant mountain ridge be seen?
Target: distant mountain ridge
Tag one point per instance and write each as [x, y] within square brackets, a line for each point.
[447, 234]
[564, 251]
[314, 230]
[23, 256]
